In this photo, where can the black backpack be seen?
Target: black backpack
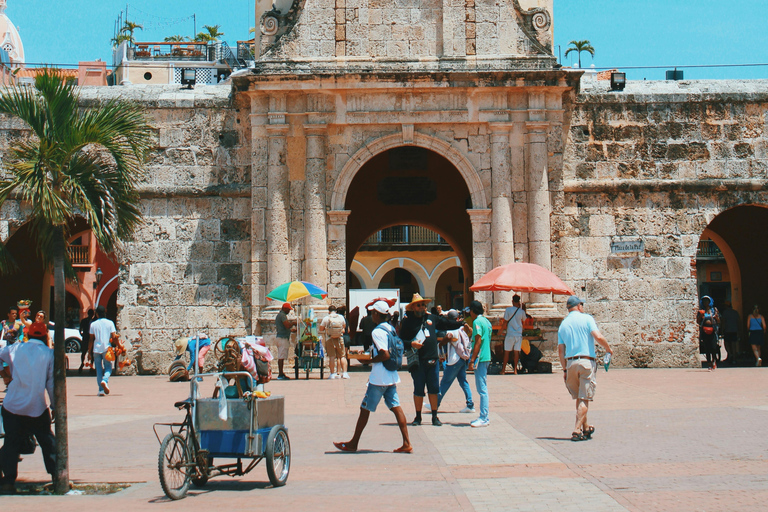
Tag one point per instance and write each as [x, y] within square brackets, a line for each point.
[394, 347]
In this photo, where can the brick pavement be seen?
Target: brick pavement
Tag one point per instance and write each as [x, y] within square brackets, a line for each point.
[676, 439]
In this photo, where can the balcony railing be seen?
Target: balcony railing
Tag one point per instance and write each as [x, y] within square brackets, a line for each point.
[79, 254]
[181, 51]
[708, 250]
[246, 50]
[406, 238]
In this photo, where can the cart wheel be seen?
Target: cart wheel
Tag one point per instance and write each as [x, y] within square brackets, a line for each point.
[278, 454]
[173, 466]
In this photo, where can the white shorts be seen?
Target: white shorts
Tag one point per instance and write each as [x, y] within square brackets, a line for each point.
[513, 343]
[284, 346]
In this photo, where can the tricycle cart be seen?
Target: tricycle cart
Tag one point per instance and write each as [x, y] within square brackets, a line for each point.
[252, 431]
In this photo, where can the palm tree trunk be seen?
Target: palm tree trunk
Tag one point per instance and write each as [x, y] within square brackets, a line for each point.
[61, 478]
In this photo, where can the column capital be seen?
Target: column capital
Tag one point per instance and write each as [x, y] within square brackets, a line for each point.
[537, 126]
[277, 130]
[480, 216]
[501, 128]
[338, 217]
[315, 130]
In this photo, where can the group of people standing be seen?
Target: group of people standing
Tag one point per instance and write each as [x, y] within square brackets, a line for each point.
[16, 327]
[713, 323]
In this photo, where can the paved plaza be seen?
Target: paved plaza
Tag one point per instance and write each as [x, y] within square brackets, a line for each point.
[666, 439]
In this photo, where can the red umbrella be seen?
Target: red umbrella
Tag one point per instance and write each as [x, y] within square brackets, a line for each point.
[521, 277]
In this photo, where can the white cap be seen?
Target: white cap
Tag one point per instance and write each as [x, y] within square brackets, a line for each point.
[380, 306]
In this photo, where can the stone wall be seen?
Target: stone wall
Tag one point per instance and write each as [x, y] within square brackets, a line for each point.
[188, 267]
[653, 163]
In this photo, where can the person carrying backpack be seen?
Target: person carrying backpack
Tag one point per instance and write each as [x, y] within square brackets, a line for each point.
[708, 319]
[383, 381]
[332, 329]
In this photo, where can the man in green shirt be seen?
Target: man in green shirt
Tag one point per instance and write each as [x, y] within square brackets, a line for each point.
[481, 358]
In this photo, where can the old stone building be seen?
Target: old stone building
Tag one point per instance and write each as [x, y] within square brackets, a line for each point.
[365, 114]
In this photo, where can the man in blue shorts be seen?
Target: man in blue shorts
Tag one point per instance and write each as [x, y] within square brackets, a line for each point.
[576, 346]
[382, 383]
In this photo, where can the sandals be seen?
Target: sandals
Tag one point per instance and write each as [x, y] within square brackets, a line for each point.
[583, 436]
[578, 436]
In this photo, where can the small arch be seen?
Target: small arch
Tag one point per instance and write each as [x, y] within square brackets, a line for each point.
[442, 148]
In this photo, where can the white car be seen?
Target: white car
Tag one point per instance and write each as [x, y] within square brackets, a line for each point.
[72, 340]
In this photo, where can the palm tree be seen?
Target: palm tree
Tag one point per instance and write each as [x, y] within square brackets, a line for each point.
[175, 39]
[76, 164]
[126, 33]
[580, 46]
[211, 34]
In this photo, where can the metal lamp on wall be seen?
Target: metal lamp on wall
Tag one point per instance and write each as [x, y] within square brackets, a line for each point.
[99, 273]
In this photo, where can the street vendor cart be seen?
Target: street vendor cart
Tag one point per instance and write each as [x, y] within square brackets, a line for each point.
[228, 434]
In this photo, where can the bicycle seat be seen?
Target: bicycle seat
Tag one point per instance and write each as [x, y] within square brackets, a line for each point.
[184, 404]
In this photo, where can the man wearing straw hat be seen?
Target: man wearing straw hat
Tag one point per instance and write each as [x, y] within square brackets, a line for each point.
[418, 330]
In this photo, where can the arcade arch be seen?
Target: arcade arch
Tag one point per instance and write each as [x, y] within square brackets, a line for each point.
[409, 185]
[735, 269]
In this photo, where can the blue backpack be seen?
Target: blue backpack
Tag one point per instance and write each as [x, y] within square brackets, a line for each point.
[394, 347]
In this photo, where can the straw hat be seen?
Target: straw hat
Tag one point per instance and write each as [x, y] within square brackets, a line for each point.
[415, 300]
[180, 345]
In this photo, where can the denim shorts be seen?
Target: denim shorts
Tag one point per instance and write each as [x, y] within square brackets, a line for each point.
[373, 396]
[428, 375]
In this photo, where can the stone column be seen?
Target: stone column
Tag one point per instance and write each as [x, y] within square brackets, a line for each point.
[337, 254]
[315, 238]
[502, 231]
[481, 249]
[278, 208]
[539, 207]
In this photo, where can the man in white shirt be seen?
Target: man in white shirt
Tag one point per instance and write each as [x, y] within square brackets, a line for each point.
[382, 383]
[29, 375]
[513, 324]
[101, 332]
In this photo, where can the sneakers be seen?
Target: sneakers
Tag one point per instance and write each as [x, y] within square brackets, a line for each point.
[283, 377]
[467, 410]
[345, 375]
[105, 387]
[427, 406]
[333, 376]
[759, 362]
[101, 393]
[479, 423]
[416, 422]
[436, 422]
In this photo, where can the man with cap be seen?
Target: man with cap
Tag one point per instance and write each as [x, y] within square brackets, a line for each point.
[284, 330]
[480, 359]
[28, 375]
[382, 383]
[576, 347]
[418, 330]
[512, 323]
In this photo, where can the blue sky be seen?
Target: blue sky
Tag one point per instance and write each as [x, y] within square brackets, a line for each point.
[623, 32]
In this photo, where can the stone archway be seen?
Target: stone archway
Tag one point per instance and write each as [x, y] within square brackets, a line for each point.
[742, 248]
[370, 150]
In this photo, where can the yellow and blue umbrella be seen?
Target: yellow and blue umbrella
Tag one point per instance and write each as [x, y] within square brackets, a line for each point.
[296, 290]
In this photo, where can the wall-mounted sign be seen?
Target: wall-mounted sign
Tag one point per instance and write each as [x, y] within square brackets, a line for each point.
[627, 246]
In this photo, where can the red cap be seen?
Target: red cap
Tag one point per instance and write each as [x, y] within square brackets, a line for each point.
[287, 306]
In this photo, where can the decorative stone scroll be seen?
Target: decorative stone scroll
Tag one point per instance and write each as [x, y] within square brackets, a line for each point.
[535, 23]
[275, 24]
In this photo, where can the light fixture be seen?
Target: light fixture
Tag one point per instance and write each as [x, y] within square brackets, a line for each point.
[188, 77]
[675, 74]
[618, 81]
[99, 273]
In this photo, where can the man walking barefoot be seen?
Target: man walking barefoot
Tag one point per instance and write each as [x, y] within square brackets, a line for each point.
[576, 346]
[381, 383]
